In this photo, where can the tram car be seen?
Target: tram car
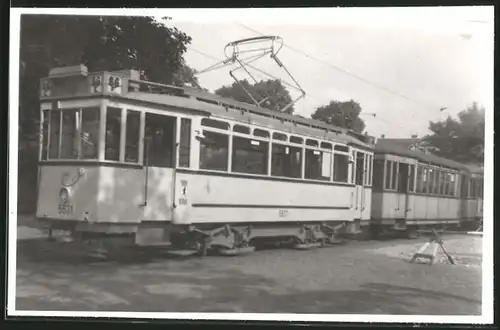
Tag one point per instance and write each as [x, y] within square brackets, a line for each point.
[414, 190]
[145, 164]
[472, 191]
[125, 162]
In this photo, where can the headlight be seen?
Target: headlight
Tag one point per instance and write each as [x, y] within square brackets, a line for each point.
[64, 194]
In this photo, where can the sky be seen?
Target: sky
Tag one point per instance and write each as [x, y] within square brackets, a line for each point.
[415, 60]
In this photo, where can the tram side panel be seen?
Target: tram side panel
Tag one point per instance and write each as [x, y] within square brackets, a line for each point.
[123, 198]
[67, 193]
[105, 194]
[211, 199]
[367, 204]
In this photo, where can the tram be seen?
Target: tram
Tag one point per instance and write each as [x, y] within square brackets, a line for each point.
[150, 164]
[415, 190]
[125, 162]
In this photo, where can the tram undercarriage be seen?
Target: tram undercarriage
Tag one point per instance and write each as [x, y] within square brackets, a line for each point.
[202, 239]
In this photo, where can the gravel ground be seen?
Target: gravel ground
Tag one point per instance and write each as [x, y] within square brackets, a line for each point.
[371, 277]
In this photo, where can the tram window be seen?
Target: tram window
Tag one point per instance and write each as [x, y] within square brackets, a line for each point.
[261, 133]
[441, 182]
[90, 133]
[425, 181]
[360, 163]
[465, 186]
[411, 178]
[159, 137]
[286, 161]
[215, 123]
[326, 145]
[296, 139]
[185, 143]
[446, 178]
[249, 156]
[353, 164]
[113, 129]
[370, 170]
[394, 173]
[451, 185]
[420, 179]
[447, 183]
[366, 170]
[432, 174]
[214, 151]
[279, 136]
[132, 136]
[241, 129]
[388, 168]
[433, 181]
[318, 165]
[45, 133]
[55, 122]
[69, 136]
[312, 143]
[454, 183]
[340, 168]
[481, 188]
[458, 182]
[378, 174]
[341, 148]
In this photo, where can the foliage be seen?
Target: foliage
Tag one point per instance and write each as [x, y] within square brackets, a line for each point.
[101, 43]
[185, 75]
[462, 139]
[278, 95]
[341, 114]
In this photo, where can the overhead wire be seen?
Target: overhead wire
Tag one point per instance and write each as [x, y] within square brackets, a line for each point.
[427, 106]
[337, 68]
[377, 118]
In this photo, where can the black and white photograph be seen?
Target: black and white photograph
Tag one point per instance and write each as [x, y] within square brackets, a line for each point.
[267, 164]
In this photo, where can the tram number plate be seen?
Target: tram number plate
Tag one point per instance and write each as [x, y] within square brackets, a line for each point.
[182, 201]
[65, 209]
[283, 213]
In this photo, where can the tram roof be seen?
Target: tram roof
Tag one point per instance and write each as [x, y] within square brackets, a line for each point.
[248, 114]
[387, 146]
[203, 102]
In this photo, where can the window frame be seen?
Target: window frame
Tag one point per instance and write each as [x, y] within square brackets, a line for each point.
[349, 173]
[322, 151]
[47, 113]
[250, 138]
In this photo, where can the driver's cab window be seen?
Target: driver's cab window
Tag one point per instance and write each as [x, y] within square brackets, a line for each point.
[159, 139]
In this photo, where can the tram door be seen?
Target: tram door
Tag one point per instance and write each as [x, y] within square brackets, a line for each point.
[464, 194]
[402, 190]
[159, 166]
[359, 179]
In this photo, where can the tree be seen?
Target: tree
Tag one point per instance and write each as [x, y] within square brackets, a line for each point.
[101, 43]
[461, 140]
[341, 114]
[186, 75]
[279, 96]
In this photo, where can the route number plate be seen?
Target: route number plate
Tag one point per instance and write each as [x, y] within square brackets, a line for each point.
[283, 213]
[65, 209]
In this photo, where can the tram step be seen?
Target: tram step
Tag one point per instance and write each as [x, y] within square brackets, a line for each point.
[238, 251]
[181, 253]
[336, 242]
[307, 246]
